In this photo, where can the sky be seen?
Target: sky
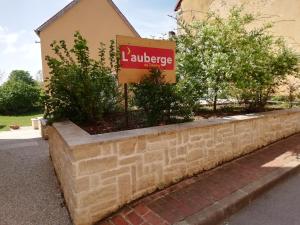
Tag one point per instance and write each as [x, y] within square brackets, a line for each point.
[19, 47]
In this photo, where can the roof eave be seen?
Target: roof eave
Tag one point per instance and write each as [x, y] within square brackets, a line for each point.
[71, 4]
[178, 5]
[124, 18]
[57, 15]
[37, 32]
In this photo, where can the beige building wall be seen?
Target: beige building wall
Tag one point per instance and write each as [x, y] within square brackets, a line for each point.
[97, 20]
[286, 14]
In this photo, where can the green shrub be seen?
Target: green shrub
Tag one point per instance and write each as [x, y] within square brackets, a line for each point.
[224, 57]
[80, 89]
[279, 98]
[18, 97]
[159, 100]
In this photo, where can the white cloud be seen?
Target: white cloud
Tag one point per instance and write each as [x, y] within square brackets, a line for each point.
[8, 40]
[19, 51]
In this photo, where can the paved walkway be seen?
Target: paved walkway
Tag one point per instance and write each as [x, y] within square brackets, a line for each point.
[29, 193]
[279, 206]
[194, 200]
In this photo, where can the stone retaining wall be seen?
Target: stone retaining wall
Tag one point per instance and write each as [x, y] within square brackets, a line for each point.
[101, 173]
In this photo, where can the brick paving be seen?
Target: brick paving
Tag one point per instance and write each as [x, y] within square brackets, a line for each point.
[195, 194]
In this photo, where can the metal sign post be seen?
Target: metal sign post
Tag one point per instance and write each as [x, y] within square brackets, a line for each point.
[126, 104]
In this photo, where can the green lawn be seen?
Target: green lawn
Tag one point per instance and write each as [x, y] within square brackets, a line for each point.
[6, 121]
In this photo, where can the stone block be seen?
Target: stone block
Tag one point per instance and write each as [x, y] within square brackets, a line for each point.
[196, 138]
[81, 184]
[169, 137]
[106, 149]
[153, 156]
[127, 148]
[133, 177]
[115, 172]
[153, 138]
[97, 165]
[95, 181]
[102, 194]
[102, 209]
[161, 145]
[125, 189]
[146, 182]
[195, 155]
[80, 216]
[109, 181]
[130, 160]
[85, 152]
[141, 145]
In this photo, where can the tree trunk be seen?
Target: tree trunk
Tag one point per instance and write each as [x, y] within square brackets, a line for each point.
[215, 102]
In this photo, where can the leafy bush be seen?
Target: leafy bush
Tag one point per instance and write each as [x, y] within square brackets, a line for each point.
[159, 100]
[225, 57]
[80, 89]
[19, 95]
[279, 98]
[265, 67]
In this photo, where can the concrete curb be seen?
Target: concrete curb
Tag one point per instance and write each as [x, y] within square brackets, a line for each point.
[220, 210]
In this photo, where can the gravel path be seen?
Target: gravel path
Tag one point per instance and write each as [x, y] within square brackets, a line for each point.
[29, 192]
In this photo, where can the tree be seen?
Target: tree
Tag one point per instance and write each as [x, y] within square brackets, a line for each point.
[21, 75]
[223, 56]
[204, 56]
[20, 94]
[292, 86]
[1, 75]
[263, 64]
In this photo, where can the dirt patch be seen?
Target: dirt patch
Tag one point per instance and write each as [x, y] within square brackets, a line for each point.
[136, 119]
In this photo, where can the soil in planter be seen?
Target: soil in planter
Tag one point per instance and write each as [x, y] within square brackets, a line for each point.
[136, 119]
[114, 122]
[117, 122]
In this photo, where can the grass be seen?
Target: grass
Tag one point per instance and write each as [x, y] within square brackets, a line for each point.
[24, 120]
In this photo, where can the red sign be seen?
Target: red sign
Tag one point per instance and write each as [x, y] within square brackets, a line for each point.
[136, 57]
